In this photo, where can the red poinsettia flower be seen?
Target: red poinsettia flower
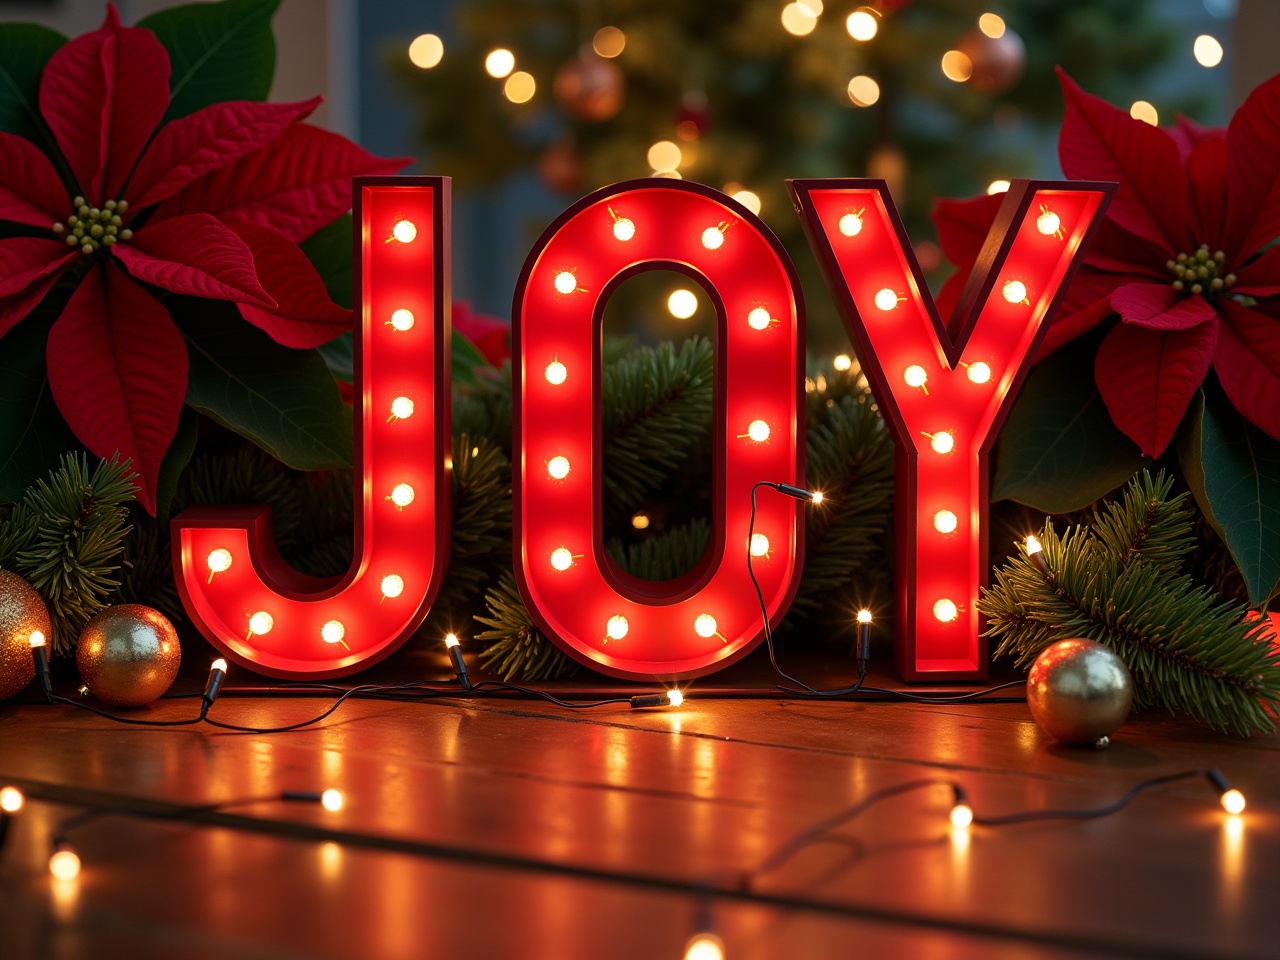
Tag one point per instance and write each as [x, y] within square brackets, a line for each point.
[491, 335]
[212, 205]
[1182, 258]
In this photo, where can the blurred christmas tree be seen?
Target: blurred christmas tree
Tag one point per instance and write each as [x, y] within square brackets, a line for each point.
[939, 97]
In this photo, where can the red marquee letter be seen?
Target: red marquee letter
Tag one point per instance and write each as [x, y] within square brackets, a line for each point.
[249, 603]
[945, 399]
[612, 622]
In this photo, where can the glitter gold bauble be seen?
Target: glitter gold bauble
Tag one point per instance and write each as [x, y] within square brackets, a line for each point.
[128, 655]
[22, 612]
[1079, 692]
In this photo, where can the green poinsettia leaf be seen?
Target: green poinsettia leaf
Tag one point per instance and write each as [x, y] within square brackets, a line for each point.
[284, 400]
[218, 51]
[467, 360]
[329, 250]
[33, 435]
[175, 461]
[339, 356]
[24, 50]
[1059, 450]
[1233, 469]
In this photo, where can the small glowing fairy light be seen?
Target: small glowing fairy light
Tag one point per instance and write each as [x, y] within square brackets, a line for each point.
[942, 441]
[64, 864]
[1015, 291]
[401, 408]
[978, 372]
[561, 558]
[713, 237]
[11, 800]
[219, 562]
[499, 63]
[401, 495]
[944, 521]
[1232, 801]
[565, 282]
[402, 320]
[617, 627]
[705, 625]
[961, 815]
[758, 431]
[406, 231]
[998, 186]
[332, 800]
[558, 467]
[682, 303]
[556, 373]
[333, 632]
[862, 24]
[945, 610]
[759, 319]
[851, 224]
[915, 376]
[759, 545]
[843, 362]
[886, 298]
[392, 586]
[675, 698]
[640, 521]
[261, 623]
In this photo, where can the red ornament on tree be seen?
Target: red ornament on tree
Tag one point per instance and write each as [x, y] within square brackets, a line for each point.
[590, 87]
[560, 168]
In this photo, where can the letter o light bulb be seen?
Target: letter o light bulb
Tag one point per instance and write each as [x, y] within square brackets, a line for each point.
[623, 229]
[565, 282]
[392, 585]
[713, 238]
[759, 319]
[261, 623]
[333, 632]
[705, 625]
[617, 627]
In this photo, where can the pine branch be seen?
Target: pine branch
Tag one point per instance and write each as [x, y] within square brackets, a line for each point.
[664, 557]
[147, 575]
[322, 543]
[1187, 651]
[484, 410]
[515, 647]
[65, 538]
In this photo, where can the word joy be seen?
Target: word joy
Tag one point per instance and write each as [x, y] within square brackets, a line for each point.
[943, 396]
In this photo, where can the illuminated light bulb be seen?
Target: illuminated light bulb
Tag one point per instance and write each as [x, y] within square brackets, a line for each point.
[797, 21]
[862, 24]
[704, 946]
[992, 25]
[392, 586]
[759, 545]
[998, 186]
[623, 229]
[915, 376]
[640, 521]
[863, 91]
[565, 282]
[401, 495]
[978, 372]
[942, 441]
[402, 320]
[1033, 545]
[1015, 291]
[11, 800]
[1207, 50]
[705, 625]
[426, 51]
[945, 610]
[956, 66]
[556, 373]
[64, 864]
[451, 640]
[617, 627]
[749, 199]
[944, 521]
[561, 558]
[1144, 111]
[499, 63]
[406, 231]
[1049, 223]
[758, 431]
[261, 623]
[218, 666]
[37, 639]
[401, 408]
[759, 319]
[609, 42]
[520, 87]
[333, 632]
[843, 362]
[219, 562]
[864, 616]
[886, 299]
[682, 304]
[1035, 554]
[713, 237]
[1232, 801]
[850, 224]
[817, 496]
[664, 156]
[675, 698]
[558, 467]
[332, 800]
[961, 815]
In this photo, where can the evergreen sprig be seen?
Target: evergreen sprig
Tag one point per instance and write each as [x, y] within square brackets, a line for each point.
[514, 647]
[663, 557]
[65, 538]
[1120, 584]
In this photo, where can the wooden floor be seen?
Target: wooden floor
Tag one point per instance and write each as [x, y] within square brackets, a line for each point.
[510, 829]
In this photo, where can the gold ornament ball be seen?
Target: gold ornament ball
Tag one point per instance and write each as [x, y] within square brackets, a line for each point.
[128, 655]
[998, 63]
[1079, 692]
[22, 612]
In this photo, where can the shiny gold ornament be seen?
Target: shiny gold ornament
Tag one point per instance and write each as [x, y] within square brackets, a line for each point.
[1079, 692]
[22, 612]
[128, 655]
